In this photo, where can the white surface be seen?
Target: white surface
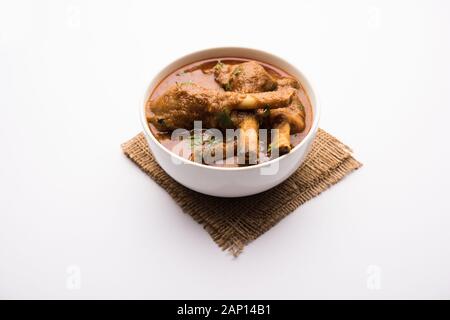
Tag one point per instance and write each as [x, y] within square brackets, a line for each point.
[74, 208]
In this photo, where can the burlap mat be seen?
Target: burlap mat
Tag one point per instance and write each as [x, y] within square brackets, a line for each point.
[235, 222]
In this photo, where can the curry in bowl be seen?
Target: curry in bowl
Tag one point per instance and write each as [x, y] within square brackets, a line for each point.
[233, 112]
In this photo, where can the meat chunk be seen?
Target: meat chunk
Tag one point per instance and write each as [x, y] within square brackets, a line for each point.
[244, 77]
[288, 121]
[252, 77]
[181, 104]
[294, 114]
[248, 125]
[288, 82]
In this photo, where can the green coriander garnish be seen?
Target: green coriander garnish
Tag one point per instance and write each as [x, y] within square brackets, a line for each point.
[228, 86]
[236, 71]
[301, 106]
[218, 66]
[224, 119]
[195, 140]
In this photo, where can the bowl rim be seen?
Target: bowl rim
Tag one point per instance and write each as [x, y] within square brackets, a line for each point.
[309, 90]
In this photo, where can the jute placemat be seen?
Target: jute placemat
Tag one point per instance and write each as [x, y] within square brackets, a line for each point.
[235, 222]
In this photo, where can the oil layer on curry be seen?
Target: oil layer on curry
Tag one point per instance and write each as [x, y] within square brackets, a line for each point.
[262, 112]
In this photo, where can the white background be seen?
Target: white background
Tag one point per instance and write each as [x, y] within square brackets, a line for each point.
[79, 220]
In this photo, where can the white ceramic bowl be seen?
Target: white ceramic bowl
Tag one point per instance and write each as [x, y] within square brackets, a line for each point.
[231, 182]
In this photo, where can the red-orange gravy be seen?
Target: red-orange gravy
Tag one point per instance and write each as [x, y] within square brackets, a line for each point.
[195, 72]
